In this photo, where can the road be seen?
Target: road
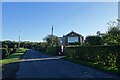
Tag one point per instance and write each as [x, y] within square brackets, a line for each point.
[38, 65]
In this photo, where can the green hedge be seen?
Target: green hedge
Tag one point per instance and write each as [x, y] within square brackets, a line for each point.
[4, 52]
[49, 50]
[105, 55]
[42, 49]
[53, 50]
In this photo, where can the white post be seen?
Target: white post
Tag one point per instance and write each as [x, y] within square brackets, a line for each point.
[62, 48]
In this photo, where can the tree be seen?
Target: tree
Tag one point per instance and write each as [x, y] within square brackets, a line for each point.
[93, 40]
[10, 44]
[52, 40]
[112, 36]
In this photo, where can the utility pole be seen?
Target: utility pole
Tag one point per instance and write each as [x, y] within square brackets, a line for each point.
[52, 35]
[52, 30]
[19, 40]
[118, 22]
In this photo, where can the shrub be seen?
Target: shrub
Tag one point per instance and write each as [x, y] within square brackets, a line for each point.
[4, 52]
[105, 55]
[53, 50]
[21, 50]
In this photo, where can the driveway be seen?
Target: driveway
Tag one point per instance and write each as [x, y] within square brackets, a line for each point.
[39, 65]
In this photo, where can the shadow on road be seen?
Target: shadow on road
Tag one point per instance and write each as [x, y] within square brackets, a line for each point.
[9, 70]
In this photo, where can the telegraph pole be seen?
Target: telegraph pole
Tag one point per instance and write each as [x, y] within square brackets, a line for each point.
[52, 35]
[52, 30]
[118, 22]
[19, 40]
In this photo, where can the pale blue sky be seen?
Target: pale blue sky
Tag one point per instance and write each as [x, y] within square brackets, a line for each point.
[35, 19]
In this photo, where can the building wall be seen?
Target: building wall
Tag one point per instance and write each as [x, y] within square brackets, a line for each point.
[72, 35]
[64, 39]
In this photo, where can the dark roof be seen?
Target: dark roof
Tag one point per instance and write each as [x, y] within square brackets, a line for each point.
[72, 32]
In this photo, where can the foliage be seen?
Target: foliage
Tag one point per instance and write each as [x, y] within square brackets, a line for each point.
[93, 40]
[53, 50]
[21, 50]
[42, 46]
[105, 55]
[11, 58]
[4, 52]
[52, 40]
[75, 43]
[9, 44]
[8, 48]
[112, 36]
[94, 65]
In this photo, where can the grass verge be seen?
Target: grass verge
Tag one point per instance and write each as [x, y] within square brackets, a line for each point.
[12, 58]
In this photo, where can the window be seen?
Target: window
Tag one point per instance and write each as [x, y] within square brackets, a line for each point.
[72, 39]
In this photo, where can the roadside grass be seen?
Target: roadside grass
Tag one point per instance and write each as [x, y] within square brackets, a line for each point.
[21, 50]
[108, 69]
[13, 57]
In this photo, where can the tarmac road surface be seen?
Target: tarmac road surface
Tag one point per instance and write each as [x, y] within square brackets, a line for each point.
[39, 65]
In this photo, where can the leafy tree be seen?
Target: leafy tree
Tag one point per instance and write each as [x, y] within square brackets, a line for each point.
[112, 36]
[4, 46]
[52, 40]
[10, 44]
[93, 40]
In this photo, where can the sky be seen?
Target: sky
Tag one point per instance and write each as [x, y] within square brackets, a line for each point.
[35, 19]
[60, 0]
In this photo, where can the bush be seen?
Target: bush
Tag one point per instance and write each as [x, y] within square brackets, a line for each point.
[21, 50]
[4, 52]
[75, 43]
[43, 49]
[53, 50]
[105, 55]
[13, 50]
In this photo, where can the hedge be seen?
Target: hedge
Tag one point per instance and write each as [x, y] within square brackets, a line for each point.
[43, 49]
[53, 50]
[4, 52]
[105, 55]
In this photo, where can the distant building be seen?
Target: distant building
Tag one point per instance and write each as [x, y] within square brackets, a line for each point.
[71, 37]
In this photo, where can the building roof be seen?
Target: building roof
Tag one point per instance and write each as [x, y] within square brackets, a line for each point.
[72, 32]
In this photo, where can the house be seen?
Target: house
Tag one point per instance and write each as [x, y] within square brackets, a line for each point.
[71, 38]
